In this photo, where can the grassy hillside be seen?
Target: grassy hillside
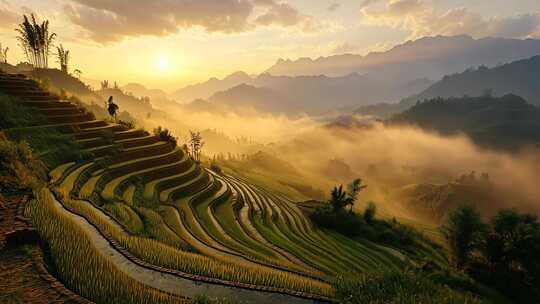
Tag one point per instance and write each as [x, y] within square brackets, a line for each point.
[507, 122]
[151, 199]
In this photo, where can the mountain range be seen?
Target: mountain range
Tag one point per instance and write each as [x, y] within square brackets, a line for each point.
[521, 78]
[312, 94]
[330, 83]
[428, 57]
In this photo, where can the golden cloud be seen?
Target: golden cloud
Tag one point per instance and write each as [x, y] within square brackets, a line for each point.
[108, 21]
[420, 19]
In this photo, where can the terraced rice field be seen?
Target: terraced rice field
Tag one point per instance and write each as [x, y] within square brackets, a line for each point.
[165, 209]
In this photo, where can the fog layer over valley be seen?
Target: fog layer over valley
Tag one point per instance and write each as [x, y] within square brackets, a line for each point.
[389, 158]
[305, 157]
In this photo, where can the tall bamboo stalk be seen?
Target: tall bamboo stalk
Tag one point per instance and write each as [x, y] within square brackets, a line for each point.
[35, 41]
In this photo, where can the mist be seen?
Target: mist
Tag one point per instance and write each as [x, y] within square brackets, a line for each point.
[386, 157]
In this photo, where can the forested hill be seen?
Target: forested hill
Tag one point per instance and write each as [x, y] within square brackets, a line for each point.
[520, 77]
[507, 122]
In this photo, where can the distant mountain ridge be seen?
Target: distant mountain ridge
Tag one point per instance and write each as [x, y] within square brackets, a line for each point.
[521, 78]
[309, 94]
[206, 89]
[330, 83]
[428, 57]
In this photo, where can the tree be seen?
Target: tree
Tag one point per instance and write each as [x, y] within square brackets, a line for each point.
[3, 54]
[112, 108]
[370, 212]
[63, 58]
[35, 41]
[514, 242]
[339, 198]
[196, 144]
[463, 231]
[508, 256]
[354, 189]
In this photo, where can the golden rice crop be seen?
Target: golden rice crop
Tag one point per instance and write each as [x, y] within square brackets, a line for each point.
[160, 254]
[80, 266]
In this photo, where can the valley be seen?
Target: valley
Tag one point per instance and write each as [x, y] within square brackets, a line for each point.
[269, 152]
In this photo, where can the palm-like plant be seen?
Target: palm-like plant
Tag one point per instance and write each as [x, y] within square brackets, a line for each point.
[339, 198]
[36, 41]
[63, 57]
[354, 188]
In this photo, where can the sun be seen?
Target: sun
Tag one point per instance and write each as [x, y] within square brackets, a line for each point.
[163, 64]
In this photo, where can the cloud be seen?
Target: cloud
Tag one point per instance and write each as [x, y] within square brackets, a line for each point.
[109, 21]
[420, 19]
[367, 3]
[282, 14]
[333, 7]
[8, 18]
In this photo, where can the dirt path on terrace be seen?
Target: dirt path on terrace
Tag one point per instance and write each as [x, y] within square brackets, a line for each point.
[171, 283]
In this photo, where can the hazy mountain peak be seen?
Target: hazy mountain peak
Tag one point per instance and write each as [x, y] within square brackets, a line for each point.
[237, 76]
[134, 86]
[427, 57]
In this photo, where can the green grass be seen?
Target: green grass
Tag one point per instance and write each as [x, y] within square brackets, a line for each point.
[55, 148]
[201, 211]
[225, 215]
[358, 255]
[399, 288]
[16, 115]
[279, 232]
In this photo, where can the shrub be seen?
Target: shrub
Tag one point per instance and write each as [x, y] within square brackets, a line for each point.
[343, 222]
[54, 147]
[126, 123]
[388, 232]
[216, 168]
[397, 287]
[15, 115]
[370, 212]
[166, 135]
[18, 160]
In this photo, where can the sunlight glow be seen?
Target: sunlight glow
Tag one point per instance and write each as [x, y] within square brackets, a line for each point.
[163, 64]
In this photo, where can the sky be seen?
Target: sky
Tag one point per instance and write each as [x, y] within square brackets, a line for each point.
[168, 44]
